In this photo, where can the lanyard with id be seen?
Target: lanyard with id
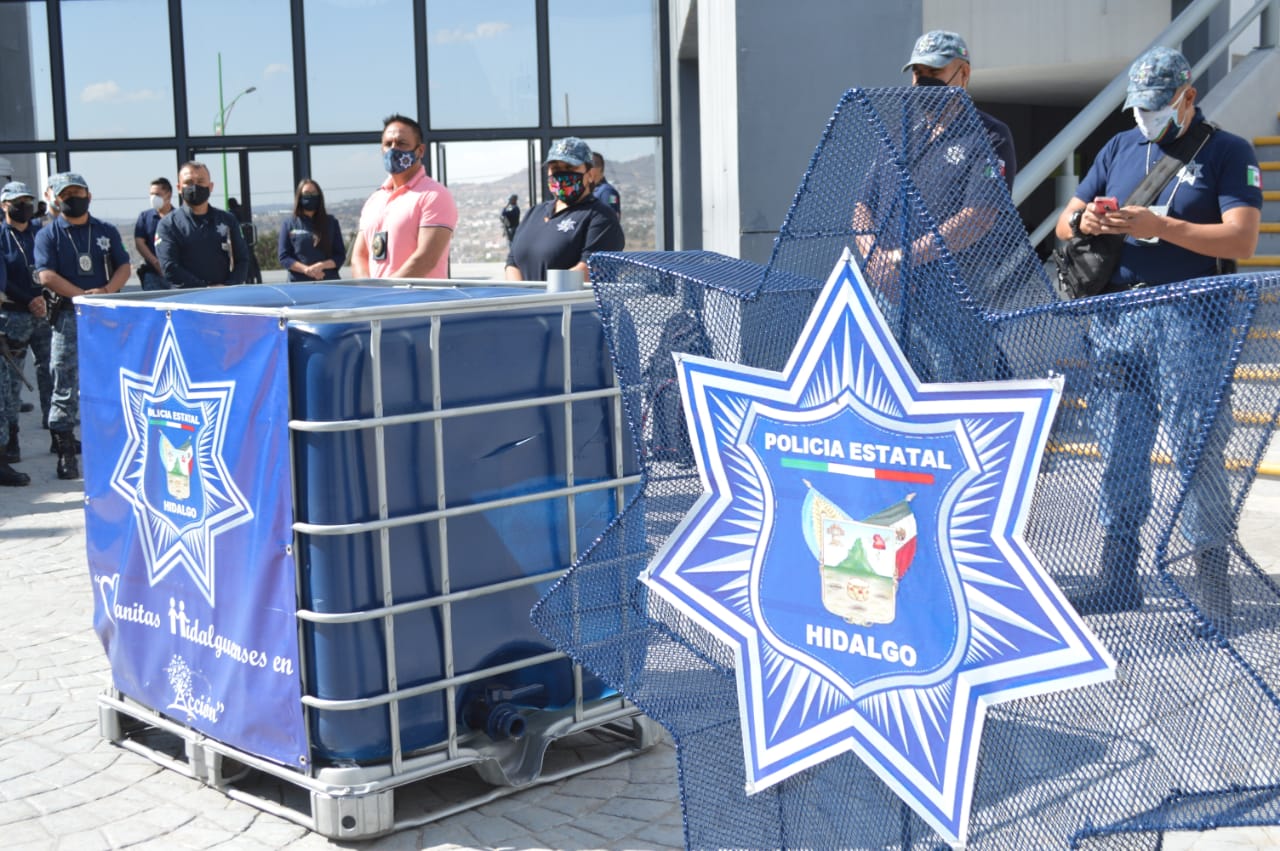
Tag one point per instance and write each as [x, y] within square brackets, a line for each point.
[84, 262]
[17, 243]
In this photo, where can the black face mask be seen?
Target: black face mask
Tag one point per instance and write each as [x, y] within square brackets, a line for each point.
[195, 195]
[935, 81]
[309, 202]
[75, 207]
[20, 213]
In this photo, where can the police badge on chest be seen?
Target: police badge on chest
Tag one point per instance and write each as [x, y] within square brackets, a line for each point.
[378, 245]
[85, 262]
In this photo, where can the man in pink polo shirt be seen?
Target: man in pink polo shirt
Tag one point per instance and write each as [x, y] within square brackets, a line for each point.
[407, 224]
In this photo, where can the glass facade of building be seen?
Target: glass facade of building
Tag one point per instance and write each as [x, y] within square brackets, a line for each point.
[267, 92]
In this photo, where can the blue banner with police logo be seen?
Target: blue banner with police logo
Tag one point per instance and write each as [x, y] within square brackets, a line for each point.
[188, 518]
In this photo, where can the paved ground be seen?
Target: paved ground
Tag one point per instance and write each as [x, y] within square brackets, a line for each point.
[62, 786]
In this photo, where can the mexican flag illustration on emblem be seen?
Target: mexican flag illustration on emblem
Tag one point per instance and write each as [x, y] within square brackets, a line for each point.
[861, 561]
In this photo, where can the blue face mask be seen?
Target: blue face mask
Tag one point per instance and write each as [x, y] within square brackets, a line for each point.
[395, 161]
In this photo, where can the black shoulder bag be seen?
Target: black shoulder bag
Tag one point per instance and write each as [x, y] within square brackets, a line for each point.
[1086, 262]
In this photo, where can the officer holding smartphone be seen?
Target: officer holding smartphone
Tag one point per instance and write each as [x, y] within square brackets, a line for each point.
[1209, 211]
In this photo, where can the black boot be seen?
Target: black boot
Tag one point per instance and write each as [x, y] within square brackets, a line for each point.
[1120, 591]
[68, 467]
[12, 453]
[53, 443]
[1214, 599]
[11, 478]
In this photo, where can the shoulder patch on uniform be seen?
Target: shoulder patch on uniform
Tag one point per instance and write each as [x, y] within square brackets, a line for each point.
[1253, 176]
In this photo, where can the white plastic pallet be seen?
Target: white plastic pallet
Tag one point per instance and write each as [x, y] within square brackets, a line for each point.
[361, 802]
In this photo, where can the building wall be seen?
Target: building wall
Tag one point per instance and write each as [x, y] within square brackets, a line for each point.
[769, 76]
[1058, 52]
[17, 118]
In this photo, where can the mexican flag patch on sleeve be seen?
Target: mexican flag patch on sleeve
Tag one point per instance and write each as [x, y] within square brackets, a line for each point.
[1253, 176]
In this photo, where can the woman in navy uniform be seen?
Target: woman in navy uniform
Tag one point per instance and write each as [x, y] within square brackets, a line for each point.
[311, 247]
[563, 232]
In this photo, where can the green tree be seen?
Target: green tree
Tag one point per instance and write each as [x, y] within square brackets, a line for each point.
[265, 248]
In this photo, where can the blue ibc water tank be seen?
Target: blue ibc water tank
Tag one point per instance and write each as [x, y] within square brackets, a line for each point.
[484, 357]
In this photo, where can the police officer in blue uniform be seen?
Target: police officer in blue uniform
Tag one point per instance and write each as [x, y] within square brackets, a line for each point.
[76, 254]
[21, 313]
[144, 233]
[1207, 213]
[200, 245]
[18, 250]
[941, 58]
[563, 232]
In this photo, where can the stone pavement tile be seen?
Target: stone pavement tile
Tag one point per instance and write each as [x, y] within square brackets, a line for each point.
[215, 810]
[28, 834]
[574, 837]
[88, 840]
[493, 829]
[663, 791]
[588, 786]
[277, 833]
[668, 834]
[611, 826]
[446, 833]
[156, 823]
[405, 840]
[537, 818]
[14, 810]
[629, 807]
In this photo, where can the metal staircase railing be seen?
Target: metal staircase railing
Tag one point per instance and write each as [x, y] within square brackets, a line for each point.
[1061, 151]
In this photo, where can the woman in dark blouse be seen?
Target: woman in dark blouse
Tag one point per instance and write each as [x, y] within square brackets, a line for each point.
[311, 246]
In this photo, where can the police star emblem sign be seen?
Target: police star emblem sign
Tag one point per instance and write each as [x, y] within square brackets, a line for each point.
[859, 545]
[172, 470]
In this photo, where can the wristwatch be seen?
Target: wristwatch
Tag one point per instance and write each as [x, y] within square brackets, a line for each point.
[1074, 222]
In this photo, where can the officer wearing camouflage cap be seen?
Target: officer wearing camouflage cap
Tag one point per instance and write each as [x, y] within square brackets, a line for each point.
[562, 233]
[22, 313]
[76, 254]
[941, 58]
[1207, 213]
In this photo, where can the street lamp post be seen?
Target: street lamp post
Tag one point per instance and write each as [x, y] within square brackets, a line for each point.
[220, 127]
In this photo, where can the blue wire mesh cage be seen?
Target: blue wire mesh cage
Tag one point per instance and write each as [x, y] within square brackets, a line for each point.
[1170, 400]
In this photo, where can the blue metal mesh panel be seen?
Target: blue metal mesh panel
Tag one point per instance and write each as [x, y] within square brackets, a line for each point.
[1177, 385]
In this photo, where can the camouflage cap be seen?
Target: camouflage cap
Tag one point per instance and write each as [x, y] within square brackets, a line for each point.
[1155, 76]
[63, 179]
[571, 150]
[936, 48]
[16, 189]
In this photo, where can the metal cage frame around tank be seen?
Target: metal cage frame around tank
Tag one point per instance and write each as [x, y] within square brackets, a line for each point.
[358, 802]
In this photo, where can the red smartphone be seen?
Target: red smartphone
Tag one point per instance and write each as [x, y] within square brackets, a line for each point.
[1103, 205]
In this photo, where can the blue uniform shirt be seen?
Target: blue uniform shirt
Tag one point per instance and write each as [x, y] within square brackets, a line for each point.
[18, 253]
[299, 243]
[550, 240]
[60, 245]
[606, 193]
[1223, 175]
[1002, 142]
[145, 229]
[193, 250]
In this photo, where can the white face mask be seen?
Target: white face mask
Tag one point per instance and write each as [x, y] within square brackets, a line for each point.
[157, 202]
[1155, 123]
